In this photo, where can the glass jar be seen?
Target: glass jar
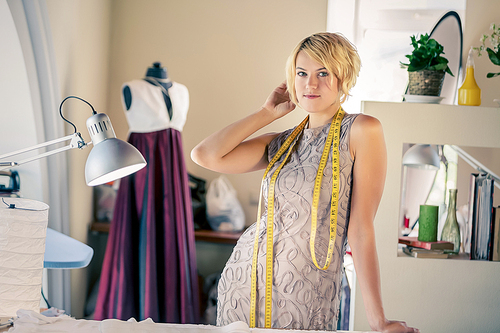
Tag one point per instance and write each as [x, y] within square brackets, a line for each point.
[451, 230]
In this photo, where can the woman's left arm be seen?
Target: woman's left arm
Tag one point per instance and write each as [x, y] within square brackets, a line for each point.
[370, 164]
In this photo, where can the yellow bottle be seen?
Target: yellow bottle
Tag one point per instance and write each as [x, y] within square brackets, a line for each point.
[469, 93]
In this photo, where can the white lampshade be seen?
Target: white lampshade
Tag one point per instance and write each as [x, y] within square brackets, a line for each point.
[23, 228]
[110, 157]
[422, 157]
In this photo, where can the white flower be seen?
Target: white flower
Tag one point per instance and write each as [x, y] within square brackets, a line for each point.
[494, 39]
[494, 43]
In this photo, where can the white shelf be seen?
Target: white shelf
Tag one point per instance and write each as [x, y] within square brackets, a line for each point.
[446, 295]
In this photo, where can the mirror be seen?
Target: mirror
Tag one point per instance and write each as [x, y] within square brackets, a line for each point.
[448, 32]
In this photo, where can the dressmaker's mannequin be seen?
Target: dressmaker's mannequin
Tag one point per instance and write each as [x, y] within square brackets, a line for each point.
[149, 269]
[155, 75]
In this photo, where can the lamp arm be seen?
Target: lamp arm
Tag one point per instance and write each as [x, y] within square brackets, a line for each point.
[76, 142]
[476, 164]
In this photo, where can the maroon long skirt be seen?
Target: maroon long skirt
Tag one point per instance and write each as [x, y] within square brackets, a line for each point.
[149, 268]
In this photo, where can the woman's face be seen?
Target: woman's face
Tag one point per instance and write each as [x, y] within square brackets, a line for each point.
[317, 89]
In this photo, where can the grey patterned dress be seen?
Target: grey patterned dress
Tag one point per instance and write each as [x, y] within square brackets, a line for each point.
[304, 297]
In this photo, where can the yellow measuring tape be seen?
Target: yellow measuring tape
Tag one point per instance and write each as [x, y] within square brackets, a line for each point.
[333, 138]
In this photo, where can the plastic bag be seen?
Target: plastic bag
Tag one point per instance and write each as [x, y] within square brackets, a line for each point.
[224, 211]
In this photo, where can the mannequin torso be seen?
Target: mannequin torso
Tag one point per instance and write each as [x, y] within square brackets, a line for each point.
[155, 75]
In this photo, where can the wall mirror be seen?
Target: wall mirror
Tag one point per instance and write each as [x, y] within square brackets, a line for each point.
[448, 32]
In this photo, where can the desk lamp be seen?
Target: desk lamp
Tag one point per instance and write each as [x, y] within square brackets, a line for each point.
[476, 164]
[419, 157]
[110, 159]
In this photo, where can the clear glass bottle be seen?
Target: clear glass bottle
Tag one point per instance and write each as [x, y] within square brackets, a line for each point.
[451, 230]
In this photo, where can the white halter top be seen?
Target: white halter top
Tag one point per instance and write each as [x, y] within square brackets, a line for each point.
[148, 111]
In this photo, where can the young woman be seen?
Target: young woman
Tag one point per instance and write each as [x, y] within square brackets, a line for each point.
[322, 186]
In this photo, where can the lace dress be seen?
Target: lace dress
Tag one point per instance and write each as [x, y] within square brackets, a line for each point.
[304, 297]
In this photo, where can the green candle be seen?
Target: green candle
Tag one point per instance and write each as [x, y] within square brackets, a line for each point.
[427, 223]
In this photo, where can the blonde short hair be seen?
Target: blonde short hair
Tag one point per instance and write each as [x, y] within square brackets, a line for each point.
[335, 53]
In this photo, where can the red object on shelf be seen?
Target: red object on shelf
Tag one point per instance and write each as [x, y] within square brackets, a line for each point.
[407, 222]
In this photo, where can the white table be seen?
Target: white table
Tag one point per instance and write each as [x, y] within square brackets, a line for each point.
[29, 321]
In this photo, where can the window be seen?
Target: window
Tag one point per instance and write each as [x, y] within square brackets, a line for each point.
[381, 30]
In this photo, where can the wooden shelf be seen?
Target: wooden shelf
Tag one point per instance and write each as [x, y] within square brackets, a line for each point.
[100, 226]
[219, 237]
[211, 236]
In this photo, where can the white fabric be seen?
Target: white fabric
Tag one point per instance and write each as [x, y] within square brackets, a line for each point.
[149, 326]
[30, 321]
[148, 111]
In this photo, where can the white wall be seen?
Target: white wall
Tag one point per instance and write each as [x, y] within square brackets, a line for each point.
[81, 37]
[18, 128]
[229, 54]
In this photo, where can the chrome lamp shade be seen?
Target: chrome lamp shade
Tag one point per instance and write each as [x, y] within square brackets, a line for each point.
[110, 158]
[422, 157]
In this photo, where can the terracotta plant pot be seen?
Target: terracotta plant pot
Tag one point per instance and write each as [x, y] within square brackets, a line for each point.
[426, 82]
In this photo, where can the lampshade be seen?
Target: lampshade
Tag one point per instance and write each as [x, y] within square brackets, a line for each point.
[422, 157]
[110, 158]
[23, 225]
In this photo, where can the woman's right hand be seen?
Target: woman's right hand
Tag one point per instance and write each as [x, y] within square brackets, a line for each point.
[278, 103]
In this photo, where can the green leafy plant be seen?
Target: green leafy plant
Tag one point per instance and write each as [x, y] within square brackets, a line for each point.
[426, 55]
[494, 52]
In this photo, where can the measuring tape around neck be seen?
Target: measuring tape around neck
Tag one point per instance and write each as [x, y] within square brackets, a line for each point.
[333, 138]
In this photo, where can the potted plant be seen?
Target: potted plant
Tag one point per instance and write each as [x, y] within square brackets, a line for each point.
[494, 52]
[426, 67]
